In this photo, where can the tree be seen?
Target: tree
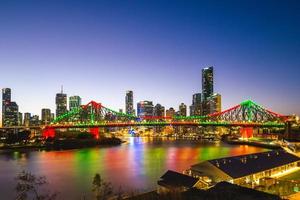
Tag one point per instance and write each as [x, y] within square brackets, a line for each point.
[29, 187]
[101, 188]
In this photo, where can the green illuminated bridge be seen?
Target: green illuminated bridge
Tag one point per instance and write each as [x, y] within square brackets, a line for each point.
[94, 115]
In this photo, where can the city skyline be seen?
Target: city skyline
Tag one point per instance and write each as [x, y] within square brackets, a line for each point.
[105, 53]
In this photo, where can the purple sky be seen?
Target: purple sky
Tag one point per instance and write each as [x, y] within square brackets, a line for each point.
[100, 49]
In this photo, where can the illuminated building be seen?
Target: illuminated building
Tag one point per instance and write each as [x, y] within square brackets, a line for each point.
[182, 109]
[207, 88]
[34, 120]
[20, 118]
[246, 169]
[74, 102]
[215, 102]
[195, 108]
[10, 109]
[170, 112]
[46, 116]
[144, 108]
[129, 102]
[6, 98]
[61, 103]
[27, 117]
[159, 110]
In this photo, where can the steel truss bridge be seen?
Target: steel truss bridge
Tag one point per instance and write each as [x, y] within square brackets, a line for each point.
[93, 116]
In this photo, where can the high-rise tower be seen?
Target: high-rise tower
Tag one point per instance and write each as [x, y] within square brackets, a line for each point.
[61, 103]
[129, 102]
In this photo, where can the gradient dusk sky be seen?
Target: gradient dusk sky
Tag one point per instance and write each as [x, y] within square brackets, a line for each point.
[100, 49]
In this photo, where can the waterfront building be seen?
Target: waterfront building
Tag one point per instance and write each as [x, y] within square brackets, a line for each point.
[20, 119]
[74, 102]
[195, 108]
[207, 88]
[27, 117]
[10, 110]
[61, 103]
[6, 98]
[215, 102]
[35, 120]
[11, 114]
[246, 169]
[170, 112]
[182, 109]
[129, 102]
[173, 181]
[46, 116]
[145, 108]
[159, 110]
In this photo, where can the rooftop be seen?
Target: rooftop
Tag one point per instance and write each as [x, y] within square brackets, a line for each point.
[175, 179]
[240, 166]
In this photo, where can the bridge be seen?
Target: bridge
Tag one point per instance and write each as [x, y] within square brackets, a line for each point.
[247, 115]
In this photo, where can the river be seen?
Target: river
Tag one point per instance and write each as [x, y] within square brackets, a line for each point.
[135, 165]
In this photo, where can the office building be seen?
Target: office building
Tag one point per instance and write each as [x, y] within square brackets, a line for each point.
[6, 98]
[159, 110]
[61, 103]
[129, 102]
[207, 88]
[27, 117]
[46, 116]
[195, 108]
[170, 112]
[215, 102]
[74, 102]
[145, 108]
[35, 120]
[20, 119]
[182, 110]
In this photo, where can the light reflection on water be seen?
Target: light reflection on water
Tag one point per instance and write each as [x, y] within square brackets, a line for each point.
[136, 164]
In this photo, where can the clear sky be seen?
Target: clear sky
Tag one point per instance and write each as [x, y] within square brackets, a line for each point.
[100, 49]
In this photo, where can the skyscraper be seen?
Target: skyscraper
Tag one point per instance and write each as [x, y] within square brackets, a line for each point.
[182, 109]
[207, 88]
[46, 116]
[10, 110]
[195, 108]
[207, 82]
[74, 102]
[27, 117]
[215, 102]
[129, 102]
[6, 98]
[11, 114]
[144, 108]
[20, 119]
[61, 103]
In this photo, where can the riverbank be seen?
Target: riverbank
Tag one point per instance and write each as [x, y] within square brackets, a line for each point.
[62, 144]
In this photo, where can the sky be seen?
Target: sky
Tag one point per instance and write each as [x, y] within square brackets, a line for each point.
[100, 49]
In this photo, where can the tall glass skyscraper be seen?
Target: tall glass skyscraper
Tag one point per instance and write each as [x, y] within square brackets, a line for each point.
[129, 102]
[207, 88]
[207, 82]
[61, 103]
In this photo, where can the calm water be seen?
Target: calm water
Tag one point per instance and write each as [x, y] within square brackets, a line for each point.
[137, 164]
